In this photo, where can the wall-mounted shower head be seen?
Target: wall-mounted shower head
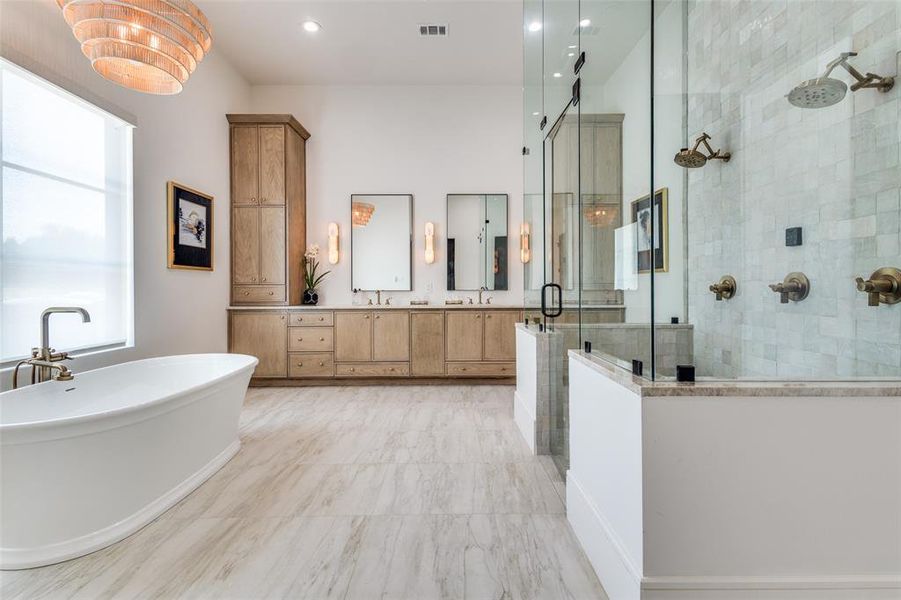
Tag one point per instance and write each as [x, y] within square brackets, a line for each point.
[825, 91]
[693, 158]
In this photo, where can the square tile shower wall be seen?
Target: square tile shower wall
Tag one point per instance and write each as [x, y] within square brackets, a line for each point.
[832, 171]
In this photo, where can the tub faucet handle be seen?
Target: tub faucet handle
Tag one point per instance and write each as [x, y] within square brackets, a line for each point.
[725, 288]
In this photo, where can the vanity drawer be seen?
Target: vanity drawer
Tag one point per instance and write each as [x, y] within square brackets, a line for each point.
[313, 318]
[372, 370]
[254, 294]
[311, 364]
[311, 339]
[482, 369]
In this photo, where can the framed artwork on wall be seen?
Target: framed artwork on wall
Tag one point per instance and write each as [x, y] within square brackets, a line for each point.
[642, 213]
[190, 228]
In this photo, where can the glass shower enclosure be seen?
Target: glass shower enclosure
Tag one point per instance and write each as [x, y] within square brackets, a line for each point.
[688, 204]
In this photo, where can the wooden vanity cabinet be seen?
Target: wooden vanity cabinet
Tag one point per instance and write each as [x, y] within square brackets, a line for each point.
[427, 344]
[391, 336]
[268, 199]
[353, 336]
[464, 335]
[263, 334]
[500, 336]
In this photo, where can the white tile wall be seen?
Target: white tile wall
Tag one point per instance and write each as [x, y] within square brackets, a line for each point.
[833, 171]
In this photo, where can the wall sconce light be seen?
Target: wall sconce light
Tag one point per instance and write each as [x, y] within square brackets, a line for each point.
[333, 243]
[525, 252]
[429, 243]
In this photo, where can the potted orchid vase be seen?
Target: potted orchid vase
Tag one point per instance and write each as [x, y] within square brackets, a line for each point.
[311, 276]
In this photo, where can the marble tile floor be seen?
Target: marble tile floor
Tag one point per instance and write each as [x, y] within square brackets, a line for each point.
[354, 493]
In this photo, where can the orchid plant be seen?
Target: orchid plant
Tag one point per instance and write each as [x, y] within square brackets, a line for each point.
[311, 266]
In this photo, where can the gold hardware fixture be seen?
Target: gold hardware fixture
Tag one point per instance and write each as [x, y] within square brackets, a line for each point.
[482, 289]
[794, 287]
[457, 301]
[378, 295]
[44, 360]
[725, 289]
[470, 300]
[429, 253]
[333, 243]
[694, 158]
[883, 286]
[825, 90]
[419, 302]
[525, 251]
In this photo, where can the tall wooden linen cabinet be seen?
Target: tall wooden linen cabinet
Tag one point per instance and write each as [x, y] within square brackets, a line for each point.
[268, 209]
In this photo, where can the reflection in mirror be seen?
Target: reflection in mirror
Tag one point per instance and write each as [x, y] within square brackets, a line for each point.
[381, 241]
[477, 241]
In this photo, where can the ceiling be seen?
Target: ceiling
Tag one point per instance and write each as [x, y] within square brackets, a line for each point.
[370, 42]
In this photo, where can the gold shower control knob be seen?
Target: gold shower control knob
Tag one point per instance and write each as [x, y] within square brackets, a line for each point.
[883, 286]
[794, 287]
[725, 289]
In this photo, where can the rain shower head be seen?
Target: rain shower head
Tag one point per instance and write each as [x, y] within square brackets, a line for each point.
[818, 93]
[693, 158]
[825, 91]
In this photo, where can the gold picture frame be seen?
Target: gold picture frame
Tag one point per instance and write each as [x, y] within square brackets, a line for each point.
[191, 237]
[642, 208]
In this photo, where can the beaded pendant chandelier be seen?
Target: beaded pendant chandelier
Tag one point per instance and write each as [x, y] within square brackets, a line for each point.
[151, 46]
[361, 213]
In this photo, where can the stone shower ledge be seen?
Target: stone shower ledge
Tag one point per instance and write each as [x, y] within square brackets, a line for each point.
[888, 388]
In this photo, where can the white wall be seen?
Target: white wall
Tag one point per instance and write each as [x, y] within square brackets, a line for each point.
[428, 141]
[182, 138]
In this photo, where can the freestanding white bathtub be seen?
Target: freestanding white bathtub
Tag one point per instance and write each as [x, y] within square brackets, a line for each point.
[87, 462]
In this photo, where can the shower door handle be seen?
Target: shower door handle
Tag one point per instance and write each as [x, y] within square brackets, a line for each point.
[544, 307]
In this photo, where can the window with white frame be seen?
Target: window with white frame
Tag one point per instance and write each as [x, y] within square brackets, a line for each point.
[66, 218]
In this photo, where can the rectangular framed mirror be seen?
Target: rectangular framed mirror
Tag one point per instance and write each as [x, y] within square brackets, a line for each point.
[477, 242]
[381, 242]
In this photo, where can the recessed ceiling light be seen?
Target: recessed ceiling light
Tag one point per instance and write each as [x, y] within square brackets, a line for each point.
[571, 54]
[573, 47]
[535, 114]
[584, 22]
[534, 26]
[558, 75]
[311, 26]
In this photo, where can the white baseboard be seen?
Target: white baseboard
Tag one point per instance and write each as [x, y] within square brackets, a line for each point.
[619, 575]
[850, 587]
[27, 558]
[525, 420]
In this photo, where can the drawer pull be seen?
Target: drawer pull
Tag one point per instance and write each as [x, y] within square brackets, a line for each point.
[246, 293]
[300, 364]
[391, 368]
[271, 293]
[320, 319]
[262, 200]
[264, 279]
[486, 316]
[321, 364]
[253, 200]
[462, 368]
[253, 278]
[365, 316]
[377, 316]
[299, 339]
[322, 339]
[283, 317]
[300, 319]
[478, 316]
[352, 369]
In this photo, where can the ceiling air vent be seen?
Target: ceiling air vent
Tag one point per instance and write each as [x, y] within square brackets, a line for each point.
[431, 30]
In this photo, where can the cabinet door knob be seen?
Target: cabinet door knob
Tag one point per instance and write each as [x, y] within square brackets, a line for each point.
[321, 364]
[264, 279]
[253, 278]
[352, 369]
[322, 318]
[390, 368]
[283, 317]
[271, 293]
[462, 368]
[253, 200]
[487, 316]
[478, 316]
[366, 316]
[300, 364]
[246, 293]
[299, 339]
[322, 339]
[377, 316]
[299, 319]
[263, 200]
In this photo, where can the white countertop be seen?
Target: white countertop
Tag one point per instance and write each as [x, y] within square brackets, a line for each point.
[382, 307]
